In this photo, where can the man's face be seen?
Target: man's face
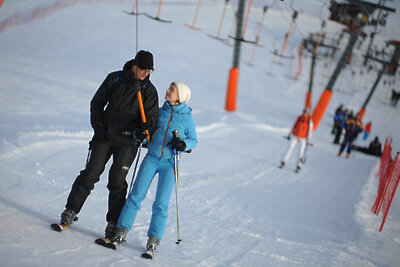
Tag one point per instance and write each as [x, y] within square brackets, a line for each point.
[139, 73]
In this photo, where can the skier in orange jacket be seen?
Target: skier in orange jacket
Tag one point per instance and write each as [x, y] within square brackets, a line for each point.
[301, 133]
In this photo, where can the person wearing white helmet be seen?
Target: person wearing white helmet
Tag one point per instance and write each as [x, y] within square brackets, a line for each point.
[174, 116]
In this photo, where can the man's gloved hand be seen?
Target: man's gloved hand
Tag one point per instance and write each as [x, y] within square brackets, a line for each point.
[100, 133]
[140, 135]
[145, 126]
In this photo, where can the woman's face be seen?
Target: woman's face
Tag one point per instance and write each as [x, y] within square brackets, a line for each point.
[171, 95]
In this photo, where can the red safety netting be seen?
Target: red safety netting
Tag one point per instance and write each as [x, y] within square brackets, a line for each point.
[389, 177]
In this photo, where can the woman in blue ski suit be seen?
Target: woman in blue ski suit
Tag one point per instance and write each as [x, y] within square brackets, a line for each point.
[173, 115]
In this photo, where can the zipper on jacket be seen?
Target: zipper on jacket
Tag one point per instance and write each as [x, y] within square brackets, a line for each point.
[166, 132]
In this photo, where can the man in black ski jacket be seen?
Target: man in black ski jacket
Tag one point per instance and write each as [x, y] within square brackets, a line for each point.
[114, 116]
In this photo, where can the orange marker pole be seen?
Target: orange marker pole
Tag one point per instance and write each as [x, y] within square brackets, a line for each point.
[230, 104]
[308, 100]
[139, 97]
[326, 96]
[320, 108]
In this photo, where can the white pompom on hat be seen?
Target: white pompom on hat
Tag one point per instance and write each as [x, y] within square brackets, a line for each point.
[184, 92]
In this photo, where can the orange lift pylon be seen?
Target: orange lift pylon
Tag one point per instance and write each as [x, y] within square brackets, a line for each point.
[326, 96]
[230, 104]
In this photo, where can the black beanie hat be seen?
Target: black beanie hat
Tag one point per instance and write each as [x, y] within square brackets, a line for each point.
[144, 60]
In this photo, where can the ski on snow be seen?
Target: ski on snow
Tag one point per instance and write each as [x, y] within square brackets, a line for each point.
[59, 227]
[106, 242]
[149, 254]
[296, 170]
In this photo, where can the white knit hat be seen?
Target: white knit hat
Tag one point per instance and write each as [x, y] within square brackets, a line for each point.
[184, 92]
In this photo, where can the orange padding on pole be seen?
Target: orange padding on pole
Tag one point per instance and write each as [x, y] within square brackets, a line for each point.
[139, 97]
[230, 104]
[308, 100]
[321, 107]
[1, 2]
[361, 112]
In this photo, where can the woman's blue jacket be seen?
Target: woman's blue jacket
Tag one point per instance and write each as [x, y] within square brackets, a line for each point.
[172, 118]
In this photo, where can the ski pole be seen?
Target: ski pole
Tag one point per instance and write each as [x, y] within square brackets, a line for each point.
[139, 97]
[88, 154]
[178, 234]
[136, 164]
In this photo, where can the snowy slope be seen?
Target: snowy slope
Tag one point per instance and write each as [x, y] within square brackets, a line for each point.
[237, 207]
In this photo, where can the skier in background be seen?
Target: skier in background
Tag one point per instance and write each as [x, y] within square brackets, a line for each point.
[174, 115]
[394, 97]
[341, 122]
[301, 133]
[353, 127]
[114, 115]
[367, 130]
[374, 148]
[338, 111]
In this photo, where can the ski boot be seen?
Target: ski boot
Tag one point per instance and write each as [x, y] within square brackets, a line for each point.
[115, 240]
[110, 230]
[151, 246]
[68, 216]
[119, 235]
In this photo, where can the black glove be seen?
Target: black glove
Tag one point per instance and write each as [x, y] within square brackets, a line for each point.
[176, 142]
[100, 134]
[145, 125]
[179, 145]
[140, 135]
